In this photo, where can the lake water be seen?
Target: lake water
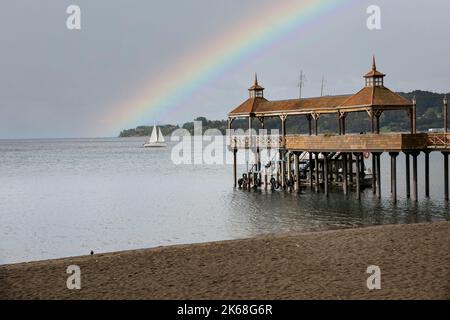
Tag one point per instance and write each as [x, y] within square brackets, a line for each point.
[66, 197]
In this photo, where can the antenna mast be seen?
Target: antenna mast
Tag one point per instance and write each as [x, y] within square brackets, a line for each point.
[301, 83]
[322, 86]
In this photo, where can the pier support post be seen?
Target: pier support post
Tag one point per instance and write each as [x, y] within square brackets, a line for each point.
[265, 179]
[316, 172]
[296, 173]
[378, 173]
[344, 173]
[358, 178]
[350, 168]
[427, 173]
[310, 170]
[325, 172]
[415, 190]
[234, 167]
[288, 165]
[282, 171]
[394, 156]
[446, 195]
[407, 175]
[374, 173]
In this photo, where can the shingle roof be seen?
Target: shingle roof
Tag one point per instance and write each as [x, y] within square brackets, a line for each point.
[261, 105]
[248, 106]
[376, 96]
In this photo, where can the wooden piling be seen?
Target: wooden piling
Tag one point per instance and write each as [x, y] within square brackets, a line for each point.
[358, 178]
[344, 173]
[394, 174]
[282, 173]
[235, 167]
[296, 172]
[325, 172]
[310, 170]
[350, 168]
[446, 195]
[374, 173]
[415, 189]
[378, 162]
[427, 173]
[407, 175]
[316, 171]
[288, 165]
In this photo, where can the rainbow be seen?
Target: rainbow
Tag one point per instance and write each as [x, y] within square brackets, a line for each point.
[191, 72]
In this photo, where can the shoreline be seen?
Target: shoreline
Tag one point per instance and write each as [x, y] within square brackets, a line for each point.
[414, 260]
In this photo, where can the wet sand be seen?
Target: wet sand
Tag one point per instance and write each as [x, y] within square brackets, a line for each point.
[414, 261]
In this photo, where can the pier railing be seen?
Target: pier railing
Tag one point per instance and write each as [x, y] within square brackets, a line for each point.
[438, 140]
[346, 143]
[256, 141]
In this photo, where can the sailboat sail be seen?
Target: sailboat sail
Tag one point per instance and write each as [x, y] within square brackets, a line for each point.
[156, 139]
[160, 136]
[154, 136]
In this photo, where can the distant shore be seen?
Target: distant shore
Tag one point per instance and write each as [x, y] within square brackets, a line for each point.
[414, 261]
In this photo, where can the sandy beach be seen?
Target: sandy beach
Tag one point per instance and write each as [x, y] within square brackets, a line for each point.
[414, 261]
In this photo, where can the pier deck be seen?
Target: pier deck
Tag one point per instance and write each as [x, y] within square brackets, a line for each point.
[392, 142]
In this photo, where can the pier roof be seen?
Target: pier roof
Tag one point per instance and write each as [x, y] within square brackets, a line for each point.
[374, 96]
[378, 97]
[261, 106]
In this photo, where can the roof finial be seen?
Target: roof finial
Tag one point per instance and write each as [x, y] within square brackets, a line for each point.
[256, 79]
[374, 64]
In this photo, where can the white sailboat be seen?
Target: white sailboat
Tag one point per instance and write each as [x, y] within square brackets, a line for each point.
[156, 139]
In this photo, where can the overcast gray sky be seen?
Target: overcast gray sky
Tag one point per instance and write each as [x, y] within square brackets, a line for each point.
[60, 83]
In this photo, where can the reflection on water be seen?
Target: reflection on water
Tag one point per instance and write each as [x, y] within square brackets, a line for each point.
[66, 197]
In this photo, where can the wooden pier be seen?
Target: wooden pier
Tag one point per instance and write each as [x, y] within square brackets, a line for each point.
[337, 158]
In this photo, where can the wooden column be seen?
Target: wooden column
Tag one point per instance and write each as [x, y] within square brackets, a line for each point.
[374, 173]
[325, 172]
[282, 171]
[308, 116]
[415, 189]
[411, 122]
[445, 112]
[427, 173]
[344, 173]
[407, 175]
[372, 122]
[394, 156]
[377, 120]
[446, 195]
[316, 125]
[343, 123]
[296, 172]
[310, 170]
[378, 164]
[316, 171]
[358, 178]
[414, 117]
[339, 123]
[288, 165]
[350, 168]
[234, 167]
[363, 167]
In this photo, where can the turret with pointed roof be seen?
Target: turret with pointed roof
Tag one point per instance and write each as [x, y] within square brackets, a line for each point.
[256, 91]
[374, 77]
[375, 94]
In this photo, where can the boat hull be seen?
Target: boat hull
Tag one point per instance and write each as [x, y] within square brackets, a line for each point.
[155, 145]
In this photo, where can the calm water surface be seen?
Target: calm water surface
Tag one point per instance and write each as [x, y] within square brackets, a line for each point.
[65, 197]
